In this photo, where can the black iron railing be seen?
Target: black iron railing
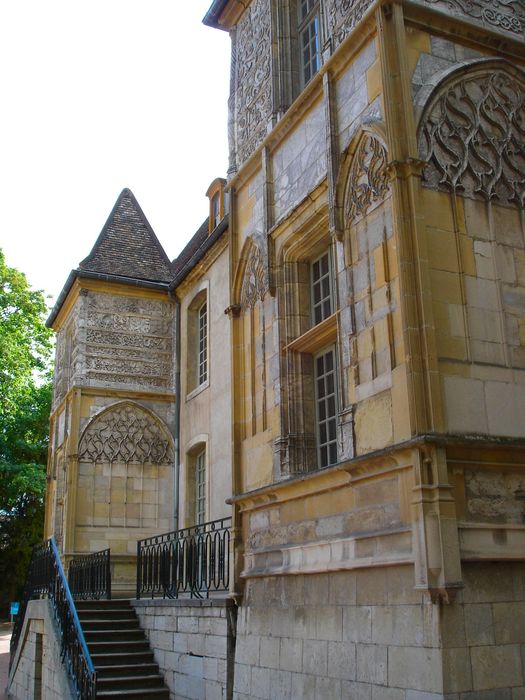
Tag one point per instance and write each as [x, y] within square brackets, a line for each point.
[190, 562]
[89, 576]
[46, 577]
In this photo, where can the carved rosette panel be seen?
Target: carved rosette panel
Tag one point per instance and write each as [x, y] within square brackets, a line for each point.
[506, 15]
[254, 285]
[472, 136]
[253, 89]
[343, 16]
[368, 182]
[125, 434]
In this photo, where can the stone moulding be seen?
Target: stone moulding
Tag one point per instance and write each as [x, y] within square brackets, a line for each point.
[125, 433]
[506, 15]
[472, 135]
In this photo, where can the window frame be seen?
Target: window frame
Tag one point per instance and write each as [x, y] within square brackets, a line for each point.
[317, 282]
[328, 419]
[200, 500]
[202, 344]
[308, 18]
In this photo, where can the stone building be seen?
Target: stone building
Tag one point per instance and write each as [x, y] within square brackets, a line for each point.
[360, 408]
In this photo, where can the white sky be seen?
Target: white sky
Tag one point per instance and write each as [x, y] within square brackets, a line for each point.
[97, 96]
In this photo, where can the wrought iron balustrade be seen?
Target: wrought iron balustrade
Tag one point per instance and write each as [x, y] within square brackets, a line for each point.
[194, 561]
[46, 578]
[89, 576]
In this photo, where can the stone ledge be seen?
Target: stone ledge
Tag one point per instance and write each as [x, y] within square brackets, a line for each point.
[183, 602]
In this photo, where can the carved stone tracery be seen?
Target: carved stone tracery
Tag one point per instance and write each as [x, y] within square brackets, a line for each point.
[253, 89]
[125, 434]
[343, 15]
[368, 180]
[508, 15]
[254, 286]
[472, 136]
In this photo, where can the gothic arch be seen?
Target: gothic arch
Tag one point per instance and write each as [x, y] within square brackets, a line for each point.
[126, 432]
[250, 283]
[363, 180]
[472, 133]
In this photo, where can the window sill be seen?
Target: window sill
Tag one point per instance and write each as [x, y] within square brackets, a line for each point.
[318, 337]
[197, 390]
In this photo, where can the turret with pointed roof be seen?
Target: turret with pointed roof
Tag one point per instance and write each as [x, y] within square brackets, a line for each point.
[127, 251]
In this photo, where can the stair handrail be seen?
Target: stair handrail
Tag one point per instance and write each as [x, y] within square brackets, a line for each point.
[46, 577]
[89, 575]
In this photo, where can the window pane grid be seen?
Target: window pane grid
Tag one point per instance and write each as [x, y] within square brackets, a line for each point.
[322, 302]
[326, 408]
[309, 38]
[203, 344]
[200, 488]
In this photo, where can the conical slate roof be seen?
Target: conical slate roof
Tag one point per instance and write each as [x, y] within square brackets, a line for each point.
[127, 246]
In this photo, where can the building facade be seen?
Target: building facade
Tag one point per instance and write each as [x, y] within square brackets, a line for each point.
[337, 358]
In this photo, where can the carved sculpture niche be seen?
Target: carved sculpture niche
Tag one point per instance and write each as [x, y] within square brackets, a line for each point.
[371, 335]
[254, 288]
[125, 458]
[472, 137]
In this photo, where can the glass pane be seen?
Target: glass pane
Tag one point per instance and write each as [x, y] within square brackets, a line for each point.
[323, 455]
[331, 430]
[333, 453]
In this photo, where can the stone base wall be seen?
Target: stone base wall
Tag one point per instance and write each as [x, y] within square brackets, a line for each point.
[37, 671]
[368, 635]
[193, 643]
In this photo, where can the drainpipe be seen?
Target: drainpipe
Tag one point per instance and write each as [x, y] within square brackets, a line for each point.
[177, 407]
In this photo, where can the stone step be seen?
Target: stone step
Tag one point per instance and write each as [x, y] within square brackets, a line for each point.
[135, 669]
[120, 603]
[114, 635]
[149, 694]
[122, 658]
[118, 647]
[103, 624]
[109, 614]
[131, 682]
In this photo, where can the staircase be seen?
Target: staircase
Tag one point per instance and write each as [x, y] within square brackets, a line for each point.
[120, 651]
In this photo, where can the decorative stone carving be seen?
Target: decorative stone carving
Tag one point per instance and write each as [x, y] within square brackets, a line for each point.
[508, 15]
[343, 15]
[255, 285]
[254, 90]
[472, 136]
[129, 341]
[368, 180]
[125, 434]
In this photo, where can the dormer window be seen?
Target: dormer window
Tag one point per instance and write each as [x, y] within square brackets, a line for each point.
[218, 203]
[308, 32]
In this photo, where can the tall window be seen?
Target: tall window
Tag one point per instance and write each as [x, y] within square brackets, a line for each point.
[326, 407]
[309, 44]
[200, 488]
[322, 288]
[202, 365]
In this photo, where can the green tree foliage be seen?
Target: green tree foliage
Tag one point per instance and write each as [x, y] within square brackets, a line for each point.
[25, 399]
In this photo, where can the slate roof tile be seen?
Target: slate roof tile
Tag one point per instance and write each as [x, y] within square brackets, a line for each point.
[127, 245]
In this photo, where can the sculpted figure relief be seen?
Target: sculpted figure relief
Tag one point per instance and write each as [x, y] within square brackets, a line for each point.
[472, 136]
[368, 181]
[126, 434]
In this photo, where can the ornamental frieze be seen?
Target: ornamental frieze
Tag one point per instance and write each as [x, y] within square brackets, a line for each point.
[343, 16]
[128, 368]
[472, 137]
[124, 340]
[132, 324]
[125, 434]
[506, 15]
[368, 181]
[253, 85]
